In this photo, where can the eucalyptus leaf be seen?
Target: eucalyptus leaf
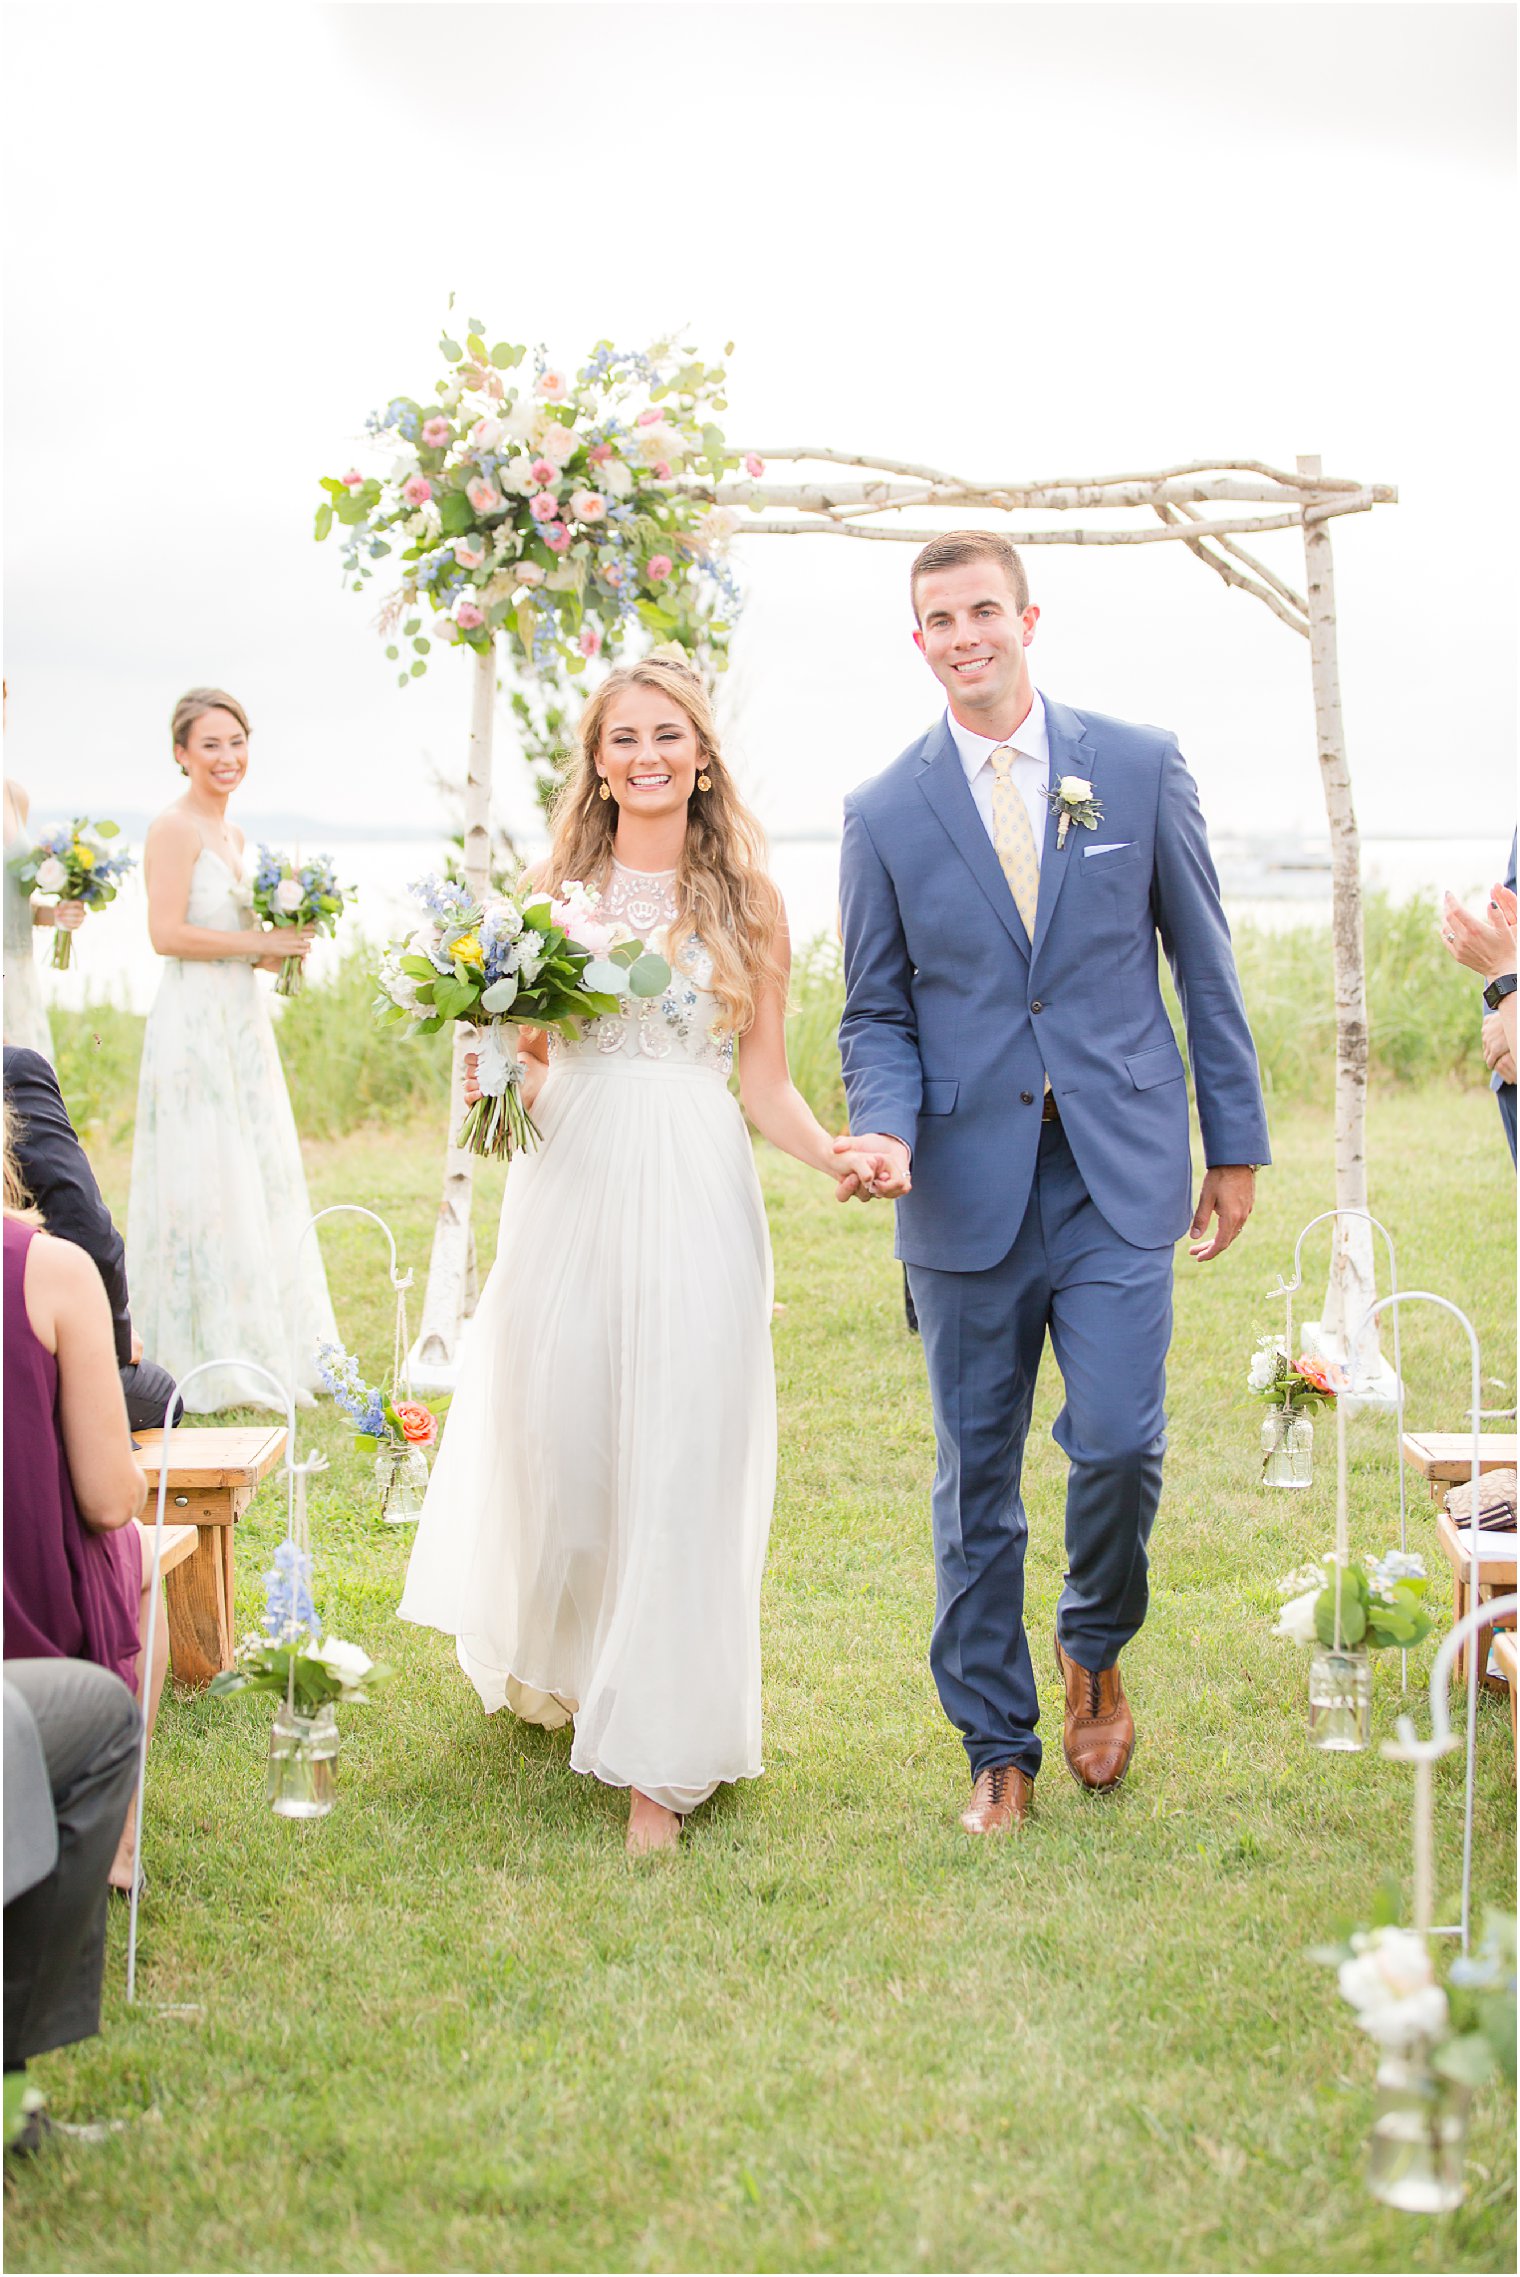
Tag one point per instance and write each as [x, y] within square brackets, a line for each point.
[650, 976]
[603, 975]
[501, 995]
[324, 521]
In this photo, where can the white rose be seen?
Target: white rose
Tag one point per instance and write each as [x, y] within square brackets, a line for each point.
[399, 986]
[617, 476]
[288, 896]
[660, 442]
[1389, 1964]
[1075, 788]
[1296, 1620]
[52, 877]
[559, 444]
[348, 1662]
[486, 433]
[717, 526]
[517, 474]
[519, 421]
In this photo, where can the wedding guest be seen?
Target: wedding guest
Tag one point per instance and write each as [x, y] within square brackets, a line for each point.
[25, 1020]
[1486, 945]
[218, 1199]
[75, 1563]
[71, 1735]
[56, 1173]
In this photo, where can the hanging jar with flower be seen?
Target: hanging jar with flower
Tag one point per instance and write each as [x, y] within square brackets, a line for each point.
[1292, 1389]
[310, 1675]
[397, 1432]
[1344, 1613]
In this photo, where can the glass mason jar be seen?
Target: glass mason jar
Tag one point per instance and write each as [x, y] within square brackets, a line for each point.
[1419, 2132]
[401, 1476]
[1340, 1698]
[1287, 1448]
[302, 1755]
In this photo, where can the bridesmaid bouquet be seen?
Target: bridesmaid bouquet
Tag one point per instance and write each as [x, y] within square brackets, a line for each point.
[290, 893]
[518, 960]
[74, 863]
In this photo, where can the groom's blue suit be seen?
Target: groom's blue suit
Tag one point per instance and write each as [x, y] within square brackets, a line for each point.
[1018, 1222]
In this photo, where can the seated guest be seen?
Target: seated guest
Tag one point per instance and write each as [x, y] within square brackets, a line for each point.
[71, 1734]
[56, 1173]
[74, 1561]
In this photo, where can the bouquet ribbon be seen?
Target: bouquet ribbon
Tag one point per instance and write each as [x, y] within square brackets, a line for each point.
[497, 1068]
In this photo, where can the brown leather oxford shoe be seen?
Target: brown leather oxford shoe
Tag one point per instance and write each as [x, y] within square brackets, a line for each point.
[1099, 1732]
[1001, 1799]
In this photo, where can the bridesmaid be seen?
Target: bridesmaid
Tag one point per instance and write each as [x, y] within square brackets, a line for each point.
[26, 1020]
[218, 1199]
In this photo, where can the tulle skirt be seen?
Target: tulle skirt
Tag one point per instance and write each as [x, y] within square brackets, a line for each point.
[595, 1528]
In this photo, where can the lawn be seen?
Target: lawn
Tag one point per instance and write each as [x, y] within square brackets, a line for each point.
[451, 2028]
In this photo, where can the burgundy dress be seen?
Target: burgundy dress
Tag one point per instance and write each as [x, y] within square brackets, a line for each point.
[69, 1594]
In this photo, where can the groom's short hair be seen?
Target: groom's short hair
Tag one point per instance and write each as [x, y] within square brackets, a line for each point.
[958, 546]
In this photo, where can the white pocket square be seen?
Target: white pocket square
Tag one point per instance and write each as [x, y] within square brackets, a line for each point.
[1116, 846]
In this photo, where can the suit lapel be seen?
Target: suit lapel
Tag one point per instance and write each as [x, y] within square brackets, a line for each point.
[1071, 753]
[942, 779]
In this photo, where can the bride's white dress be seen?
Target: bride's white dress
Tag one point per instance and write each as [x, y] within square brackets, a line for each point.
[595, 1527]
[215, 1260]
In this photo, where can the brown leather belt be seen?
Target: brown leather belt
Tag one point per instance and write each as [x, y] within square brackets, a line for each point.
[1050, 1112]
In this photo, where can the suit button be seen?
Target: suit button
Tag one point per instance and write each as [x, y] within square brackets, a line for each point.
[1036, 1006]
[1027, 1097]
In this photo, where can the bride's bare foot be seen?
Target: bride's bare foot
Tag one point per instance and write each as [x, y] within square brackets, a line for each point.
[650, 1826]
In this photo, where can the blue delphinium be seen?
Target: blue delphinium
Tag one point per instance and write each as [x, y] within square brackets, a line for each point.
[289, 1610]
[363, 1403]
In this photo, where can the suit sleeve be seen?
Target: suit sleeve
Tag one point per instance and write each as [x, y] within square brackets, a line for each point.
[58, 1175]
[1195, 936]
[878, 1033]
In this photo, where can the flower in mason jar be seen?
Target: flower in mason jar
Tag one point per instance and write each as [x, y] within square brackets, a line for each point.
[349, 1662]
[1390, 1983]
[418, 1423]
[1296, 1620]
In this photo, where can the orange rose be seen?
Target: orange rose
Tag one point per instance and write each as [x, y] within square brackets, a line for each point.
[418, 1423]
[1316, 1377]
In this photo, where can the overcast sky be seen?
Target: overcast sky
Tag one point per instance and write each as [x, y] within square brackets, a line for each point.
[1018, 241]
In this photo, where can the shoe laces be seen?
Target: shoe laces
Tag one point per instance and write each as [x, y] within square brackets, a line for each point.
[1093, 1691]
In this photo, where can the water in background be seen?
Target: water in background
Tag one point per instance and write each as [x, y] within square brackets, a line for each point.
[1273, 882]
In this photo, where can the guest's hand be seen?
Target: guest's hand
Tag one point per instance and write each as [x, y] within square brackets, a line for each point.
[70, 915]
[1484, 944]
[1228, 1196]
[1496, 1052]
[889, 1168]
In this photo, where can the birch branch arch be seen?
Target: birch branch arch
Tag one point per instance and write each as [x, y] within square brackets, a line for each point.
[1206, 505]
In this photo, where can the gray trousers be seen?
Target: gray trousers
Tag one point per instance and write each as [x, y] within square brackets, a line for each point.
[55, 1932]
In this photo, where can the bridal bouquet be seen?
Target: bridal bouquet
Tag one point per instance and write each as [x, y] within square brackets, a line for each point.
[1382, 1604]
[296, 893]
[519, 960]
[74, 863]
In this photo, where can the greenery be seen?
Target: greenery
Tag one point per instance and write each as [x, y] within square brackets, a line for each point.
[450, 2027]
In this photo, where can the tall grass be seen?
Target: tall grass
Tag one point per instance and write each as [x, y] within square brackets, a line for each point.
[1424, 1015]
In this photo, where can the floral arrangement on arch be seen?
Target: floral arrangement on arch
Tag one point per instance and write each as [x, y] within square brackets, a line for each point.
[547, 510]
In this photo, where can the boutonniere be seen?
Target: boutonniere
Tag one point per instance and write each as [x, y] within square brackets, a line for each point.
[1072, 802]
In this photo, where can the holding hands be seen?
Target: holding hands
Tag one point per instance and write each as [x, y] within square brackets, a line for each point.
[1485, 944]
[871, 1168]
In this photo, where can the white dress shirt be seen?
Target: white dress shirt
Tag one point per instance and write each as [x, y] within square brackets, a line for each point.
[1031, 768]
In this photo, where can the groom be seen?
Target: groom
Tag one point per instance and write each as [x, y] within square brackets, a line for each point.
[1004, 884]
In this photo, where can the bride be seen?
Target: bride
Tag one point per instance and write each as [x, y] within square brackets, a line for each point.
[595, 1527]
[218, 1198]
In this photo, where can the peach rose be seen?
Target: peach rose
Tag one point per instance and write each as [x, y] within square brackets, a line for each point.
[588, 505]
[418, 1423]
[551, 386]
[484, 495]
[558, 443]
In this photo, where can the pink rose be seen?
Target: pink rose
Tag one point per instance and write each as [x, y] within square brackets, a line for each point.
[754, 464]
[483, 495]
[436, 433]
[467, 555]
[468, 617]
[662, 470]
[650, 418]
[542, 471]
[353, 480]
[551, 386]
[543, 506]
[417, 490]
[599, 453]
[590, 643]
[556, 537]
[588, 505]
[658, 567]
[585, 932]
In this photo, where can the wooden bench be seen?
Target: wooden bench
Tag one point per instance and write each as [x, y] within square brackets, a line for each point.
[1444, 1458]
[1496, 1578]
[1509, 1663]
[213, 1476]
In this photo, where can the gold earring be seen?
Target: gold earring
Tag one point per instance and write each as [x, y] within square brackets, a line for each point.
[704, 781]
[604, 792]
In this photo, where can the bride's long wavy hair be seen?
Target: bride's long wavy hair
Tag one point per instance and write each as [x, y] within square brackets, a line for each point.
[724, 892]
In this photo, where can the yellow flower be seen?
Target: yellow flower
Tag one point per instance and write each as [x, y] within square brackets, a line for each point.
[467, 951]
[82, 855]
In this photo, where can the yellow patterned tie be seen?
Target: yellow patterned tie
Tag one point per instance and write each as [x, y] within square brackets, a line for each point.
[1013, 837]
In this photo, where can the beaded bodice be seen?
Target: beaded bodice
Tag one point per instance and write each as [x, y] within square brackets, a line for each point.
[685, 1023]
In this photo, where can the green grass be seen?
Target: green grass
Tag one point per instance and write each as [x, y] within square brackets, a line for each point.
[451, 2028]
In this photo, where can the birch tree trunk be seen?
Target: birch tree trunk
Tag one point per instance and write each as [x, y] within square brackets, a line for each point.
[451, 1268]
[1352, 1284]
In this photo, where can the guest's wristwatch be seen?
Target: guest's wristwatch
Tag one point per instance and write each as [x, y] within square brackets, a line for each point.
[1500, 987]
